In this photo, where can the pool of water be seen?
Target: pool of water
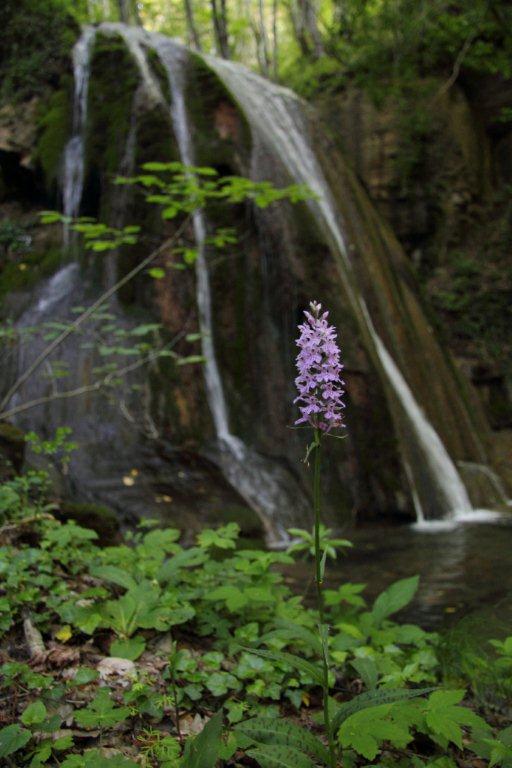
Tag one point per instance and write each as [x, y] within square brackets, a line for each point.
[463, 570]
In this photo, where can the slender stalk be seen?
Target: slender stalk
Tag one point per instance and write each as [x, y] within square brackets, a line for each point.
[317, 505]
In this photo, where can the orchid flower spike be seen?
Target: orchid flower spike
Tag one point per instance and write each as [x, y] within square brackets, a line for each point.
[319, 384]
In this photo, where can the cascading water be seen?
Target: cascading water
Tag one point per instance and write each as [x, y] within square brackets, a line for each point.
[73, 178]
[276, 117]
[279, 129]
[262, 485]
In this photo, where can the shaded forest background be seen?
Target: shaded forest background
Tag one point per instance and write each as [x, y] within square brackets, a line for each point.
[417, 94]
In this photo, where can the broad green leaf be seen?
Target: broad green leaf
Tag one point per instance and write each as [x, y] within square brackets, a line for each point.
[366, 668]
[291, 631]
[275, 756]
[101, 712]
[365, 731]
[373, 699]
[34, 714]
[203, 750]
[264, 730]
[83, 676]
[234, 598]
[186, 559]
[115, 575]
[296, 662]
[130, 648]
[444, 718]
[12, 738]
[394, 598]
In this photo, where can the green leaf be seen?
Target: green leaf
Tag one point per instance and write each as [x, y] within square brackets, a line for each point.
[191, 360]
[186, 559]
[203, 751]
[12, 738]
[394, 598]
[156, 273]
[366, 668]
[93, 758]
[264, 730]
[130, 649]
[314, 672]
[101, 712]
[365, 730]
[83, 676]
[444, 718]
[291, 631]
[274, 756]
[115, 575]
[34, 714]
[233, 597]
[373, 699]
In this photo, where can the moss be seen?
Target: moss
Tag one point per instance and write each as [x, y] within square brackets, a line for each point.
[110, 109]
[23, 274]
[204, 93]
[159, 72]
[55, 128]
[36, 43]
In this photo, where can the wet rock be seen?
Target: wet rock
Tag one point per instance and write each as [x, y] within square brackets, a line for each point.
[12, 450]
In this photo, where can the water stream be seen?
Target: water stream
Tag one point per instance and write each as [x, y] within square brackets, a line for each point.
[276, 117]
[73, 176]
[264, 486]
[277, 121]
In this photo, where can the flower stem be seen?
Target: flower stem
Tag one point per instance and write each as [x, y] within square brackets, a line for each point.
[317, 505]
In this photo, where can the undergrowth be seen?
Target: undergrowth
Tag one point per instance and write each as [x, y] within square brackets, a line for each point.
[120, 655]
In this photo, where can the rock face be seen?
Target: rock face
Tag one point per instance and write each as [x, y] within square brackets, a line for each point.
[414, 423]
[437, 166]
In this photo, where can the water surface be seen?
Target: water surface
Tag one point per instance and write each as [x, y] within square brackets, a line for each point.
[463, 570]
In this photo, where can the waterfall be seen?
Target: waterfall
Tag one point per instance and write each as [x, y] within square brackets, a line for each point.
[276, 117]
[264, 487]
[173, 59]
[73, 180]
[443, 468]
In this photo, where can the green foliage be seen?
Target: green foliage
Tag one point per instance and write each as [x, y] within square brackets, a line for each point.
[203, 751]
[305, 542]
[101, 712]
[251, 651]
[393, 599]
[36, 41]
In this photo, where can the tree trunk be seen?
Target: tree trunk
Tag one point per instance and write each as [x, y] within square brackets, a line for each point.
[298, 28]
[264, 56]
[129, 12]
[311, 25]
[303, 15]
[275, 49]
[193, 34]
[220, 27]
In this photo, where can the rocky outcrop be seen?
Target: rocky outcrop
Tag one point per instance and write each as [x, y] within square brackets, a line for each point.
[437, 165]
[162, 444]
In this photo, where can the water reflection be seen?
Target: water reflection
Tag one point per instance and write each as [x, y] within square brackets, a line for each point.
[462, 569]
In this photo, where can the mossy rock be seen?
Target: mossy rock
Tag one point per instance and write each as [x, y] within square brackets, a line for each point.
[101, 519]
[37, 39]
[110, 107]
[55, 126]
[29, 270]
[12, 450]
